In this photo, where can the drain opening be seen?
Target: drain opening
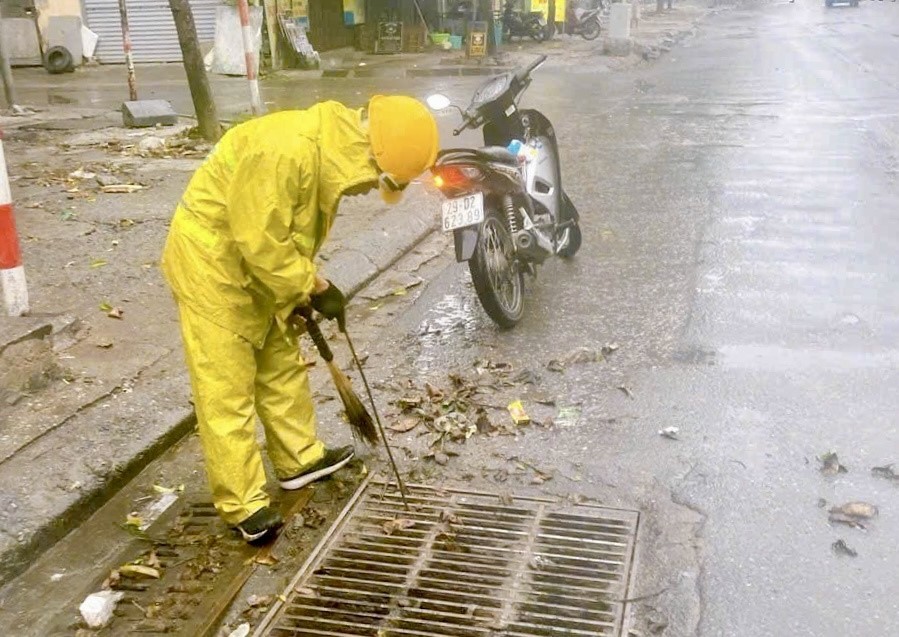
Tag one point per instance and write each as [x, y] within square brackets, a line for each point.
[462, 564]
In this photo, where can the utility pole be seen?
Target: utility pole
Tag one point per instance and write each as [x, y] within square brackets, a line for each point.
[9, 88]
[200, 92]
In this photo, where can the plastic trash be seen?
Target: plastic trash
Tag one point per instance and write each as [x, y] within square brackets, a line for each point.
[96, 609]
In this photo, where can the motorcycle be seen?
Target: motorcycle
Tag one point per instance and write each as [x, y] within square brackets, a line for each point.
[507, 210]
[585, 23]
[521, 25]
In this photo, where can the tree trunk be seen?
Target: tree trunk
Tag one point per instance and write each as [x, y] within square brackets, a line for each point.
[660, 6]
[204, 104]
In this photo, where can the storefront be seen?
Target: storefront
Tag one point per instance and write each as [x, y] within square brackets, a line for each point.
[153, 35]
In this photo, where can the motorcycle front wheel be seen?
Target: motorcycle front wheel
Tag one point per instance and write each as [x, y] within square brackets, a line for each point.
[591, 30]
[497, 279]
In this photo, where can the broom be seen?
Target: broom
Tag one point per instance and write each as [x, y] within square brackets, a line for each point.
[356, 413]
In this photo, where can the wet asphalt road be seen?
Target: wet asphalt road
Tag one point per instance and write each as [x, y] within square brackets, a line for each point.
[741, 247]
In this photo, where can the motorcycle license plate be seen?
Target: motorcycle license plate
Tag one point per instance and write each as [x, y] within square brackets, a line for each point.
[462, 212]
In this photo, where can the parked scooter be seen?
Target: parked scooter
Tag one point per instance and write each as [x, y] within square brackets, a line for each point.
[522, 25]
[584, 22]
[505, 204]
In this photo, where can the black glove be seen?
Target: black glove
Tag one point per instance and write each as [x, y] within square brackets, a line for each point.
[331, 304]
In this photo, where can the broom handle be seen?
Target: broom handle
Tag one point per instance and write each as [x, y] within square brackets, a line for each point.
[315, 334]
[374, 408]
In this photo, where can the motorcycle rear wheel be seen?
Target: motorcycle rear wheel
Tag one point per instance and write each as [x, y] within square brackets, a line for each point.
[591, 30]
[538, 32]
[497, 279]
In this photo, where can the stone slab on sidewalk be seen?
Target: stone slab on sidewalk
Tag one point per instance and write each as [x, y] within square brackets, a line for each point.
[16, 329]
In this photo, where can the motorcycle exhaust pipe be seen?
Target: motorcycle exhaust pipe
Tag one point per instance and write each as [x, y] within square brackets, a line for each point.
[530, 247]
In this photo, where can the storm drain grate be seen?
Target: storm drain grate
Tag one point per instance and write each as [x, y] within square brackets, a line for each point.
[462, 564]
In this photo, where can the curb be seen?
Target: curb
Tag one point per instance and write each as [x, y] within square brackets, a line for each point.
[107, 444]
[436, 71]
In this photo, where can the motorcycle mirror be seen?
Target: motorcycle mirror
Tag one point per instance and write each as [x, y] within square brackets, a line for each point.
[438, 102]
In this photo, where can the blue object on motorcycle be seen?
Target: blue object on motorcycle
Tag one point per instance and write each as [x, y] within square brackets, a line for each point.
[515, 146]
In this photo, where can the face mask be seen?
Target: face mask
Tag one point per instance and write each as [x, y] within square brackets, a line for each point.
[391, 190]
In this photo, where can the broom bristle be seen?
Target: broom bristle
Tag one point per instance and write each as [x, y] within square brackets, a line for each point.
[356, 413]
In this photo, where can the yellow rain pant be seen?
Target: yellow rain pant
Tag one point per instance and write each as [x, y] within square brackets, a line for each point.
[233, 382]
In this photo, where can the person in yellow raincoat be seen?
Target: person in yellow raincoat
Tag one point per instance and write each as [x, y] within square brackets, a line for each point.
[239, 260]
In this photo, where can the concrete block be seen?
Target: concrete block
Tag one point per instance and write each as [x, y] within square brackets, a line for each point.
[146, 113]
[620, 21]
[618, 47]
[65, 30]
[20, 39]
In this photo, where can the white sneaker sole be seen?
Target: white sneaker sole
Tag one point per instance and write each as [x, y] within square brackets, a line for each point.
[252, 537]
[308, 478]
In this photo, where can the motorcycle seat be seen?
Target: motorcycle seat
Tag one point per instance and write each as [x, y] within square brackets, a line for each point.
[498, 154]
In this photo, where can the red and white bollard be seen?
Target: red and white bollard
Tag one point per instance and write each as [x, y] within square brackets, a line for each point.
[250, 57]
[126, 46]
[12, 274]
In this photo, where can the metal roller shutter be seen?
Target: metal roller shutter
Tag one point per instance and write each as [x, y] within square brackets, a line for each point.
[153, 35]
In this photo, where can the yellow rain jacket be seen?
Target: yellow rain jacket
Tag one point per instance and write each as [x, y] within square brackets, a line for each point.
[241, 243]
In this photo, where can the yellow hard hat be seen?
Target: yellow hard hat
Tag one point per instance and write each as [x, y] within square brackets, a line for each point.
[403, 135]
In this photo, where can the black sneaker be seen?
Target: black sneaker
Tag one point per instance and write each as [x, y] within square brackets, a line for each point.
[333, 460]
[260, 527]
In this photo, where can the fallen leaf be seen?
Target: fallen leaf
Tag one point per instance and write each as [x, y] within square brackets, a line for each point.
[265, 558]
[482, 422]
[153, 560]
[132, 519]
[885, 471]
[255, 601]
[405, 424]
[555, 366]
[669, 432]
[568, 416]
[526, 377]
[841, 548]
[122, 188]
[857, 510]
[519, 416]
[105, 306]
[139, 571]
[441, 458]
[830, 464]
[399, 524]
[158, 488]
[627, 392]
[103, 343]
[506, 499]
[853, 514]
[115, 313]
[304, 591]
[99, 263]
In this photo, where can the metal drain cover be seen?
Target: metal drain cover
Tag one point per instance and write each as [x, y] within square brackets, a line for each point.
[462, 564]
